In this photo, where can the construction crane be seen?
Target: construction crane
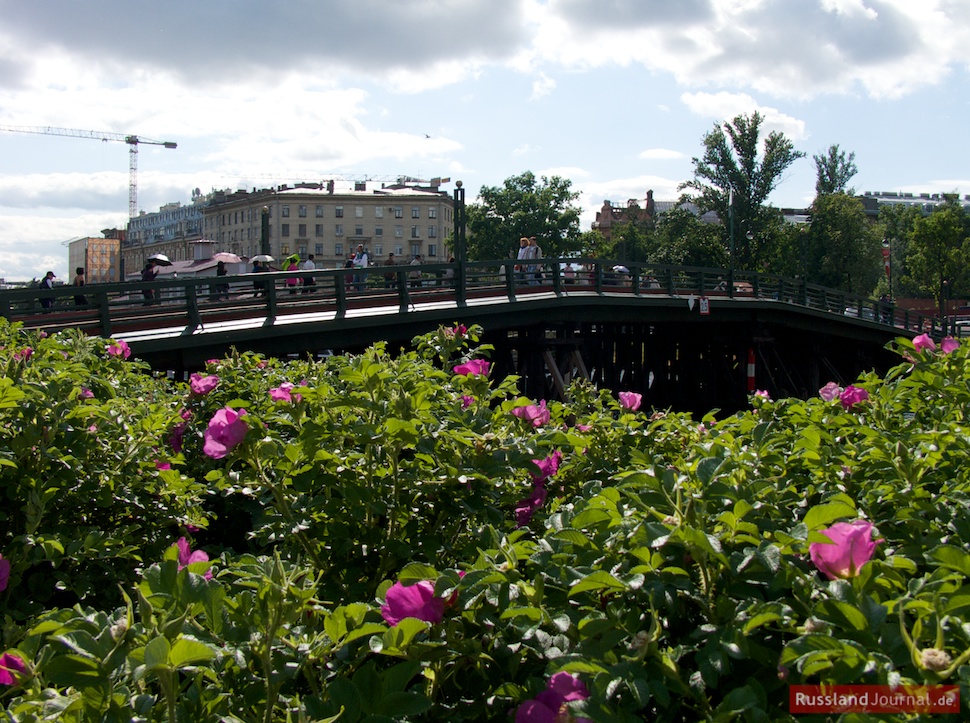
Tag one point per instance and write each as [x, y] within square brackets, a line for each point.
[133, 142]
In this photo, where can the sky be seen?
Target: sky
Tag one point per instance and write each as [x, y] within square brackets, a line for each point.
[614, 95]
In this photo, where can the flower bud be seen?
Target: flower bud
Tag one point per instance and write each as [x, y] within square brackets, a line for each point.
[935, 659]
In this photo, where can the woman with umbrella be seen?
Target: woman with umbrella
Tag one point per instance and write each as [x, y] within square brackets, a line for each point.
[292, 263]
[148, 274]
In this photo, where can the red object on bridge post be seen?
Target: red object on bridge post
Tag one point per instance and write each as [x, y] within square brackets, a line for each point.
[751, 379]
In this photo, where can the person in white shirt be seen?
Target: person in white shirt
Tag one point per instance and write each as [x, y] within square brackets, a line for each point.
[535, 270]
[523, 254]
[308, 281]
[360, 262]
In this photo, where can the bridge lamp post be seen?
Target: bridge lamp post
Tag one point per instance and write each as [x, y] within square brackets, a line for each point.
[459, 215]
[264, 232]
[887, 257]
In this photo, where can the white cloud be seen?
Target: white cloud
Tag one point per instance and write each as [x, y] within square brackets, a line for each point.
[542, 86]
[659, 154]
[724, 106]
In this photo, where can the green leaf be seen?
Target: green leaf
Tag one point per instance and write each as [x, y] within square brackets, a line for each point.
[402, 704]
[188, 651]
[821, 515]
[156, 652]
[415, 572]
[951, 558]
[599, 580]
[74, 671]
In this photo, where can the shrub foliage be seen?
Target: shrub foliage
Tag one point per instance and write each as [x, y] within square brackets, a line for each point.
[662, 562]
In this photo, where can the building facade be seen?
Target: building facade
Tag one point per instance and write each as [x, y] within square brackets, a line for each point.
[171, 231]
[99, 257]
[309, 218]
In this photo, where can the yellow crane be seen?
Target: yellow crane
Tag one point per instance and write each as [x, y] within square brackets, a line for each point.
[133, 142]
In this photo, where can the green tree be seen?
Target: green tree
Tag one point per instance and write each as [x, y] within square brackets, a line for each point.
[833, 171]
[733, 179]
[524, 206]
[937, 256]
[897, 223]
[681, 238]
[841, 248]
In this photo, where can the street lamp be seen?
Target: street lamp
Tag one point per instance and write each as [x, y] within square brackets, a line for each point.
[887, 260]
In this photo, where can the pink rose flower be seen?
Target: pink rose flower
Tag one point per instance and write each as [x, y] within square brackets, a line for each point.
[10, 667]
[852, 547]
[536, 414]
[86, 393]
[202, 385]
[226, 429]
[830, 392]
[763, 394]
[187, 556]
[853, 395]
[630, 400]
[118, 347]
[924, 342]
[284, 393]
[24, 354]
[412, 601]
[949, 344]
[474, 367]
[550, 705]
[466, 401]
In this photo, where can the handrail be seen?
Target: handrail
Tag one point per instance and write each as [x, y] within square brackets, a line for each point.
[193, 301]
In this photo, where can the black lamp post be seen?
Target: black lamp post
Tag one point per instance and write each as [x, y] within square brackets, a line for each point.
[264, 232]
[460, 246]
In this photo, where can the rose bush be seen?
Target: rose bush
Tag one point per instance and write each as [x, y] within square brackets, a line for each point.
[359, 551]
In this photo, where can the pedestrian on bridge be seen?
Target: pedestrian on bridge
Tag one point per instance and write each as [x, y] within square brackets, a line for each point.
[360, 263]
[79, 298]
[309, 281]
[47, 283]
[389, 275]
[148, 274]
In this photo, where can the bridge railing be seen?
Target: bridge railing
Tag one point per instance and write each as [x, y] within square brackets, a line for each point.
[196, 301]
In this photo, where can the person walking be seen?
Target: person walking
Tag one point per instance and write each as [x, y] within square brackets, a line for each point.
[389, 275]
[79, 298]
[521, 257]
[309, 281]
[221, 289]
[47, 300]
[148, 274]
[535, 269]
[415, 274]
[259, 287]
[292, 264]
[360, 263]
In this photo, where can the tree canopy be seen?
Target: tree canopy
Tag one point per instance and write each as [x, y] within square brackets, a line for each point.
[524, 206]
[833, 171]
[733, 179]
[936, 258]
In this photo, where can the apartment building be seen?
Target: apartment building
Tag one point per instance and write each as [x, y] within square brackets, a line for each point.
[99, 257]
[311, 218]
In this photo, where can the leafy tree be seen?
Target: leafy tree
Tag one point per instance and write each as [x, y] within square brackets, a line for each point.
[897, 223]
[732, 179]
[834, 169]
[841, 248]
[937, 256]
[524, 206]
[682, 238]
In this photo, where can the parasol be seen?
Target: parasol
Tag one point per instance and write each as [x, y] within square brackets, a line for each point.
[262, 258]
[160, 259]
[226, 257]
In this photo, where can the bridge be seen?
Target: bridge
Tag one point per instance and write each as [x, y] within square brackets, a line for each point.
[688, 338]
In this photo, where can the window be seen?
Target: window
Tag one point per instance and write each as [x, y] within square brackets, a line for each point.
[339, 229]
[303, 251]
[432, 212]
[415, 249]
[399, 232]
[432, 250]
[378, 250]
[285, 230]
[302, 211]
[319, 211]
[339, 212]
[338, 249]
[378, 230]
[398, 250]
[302, 233]
[414, 232]
[378, 212]
[415, 212]
[318, 249]
[318, 230]
[358, 211]
[285, 250]
[359, 230]
[398, 212]
[286, 211]
[432, 232]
